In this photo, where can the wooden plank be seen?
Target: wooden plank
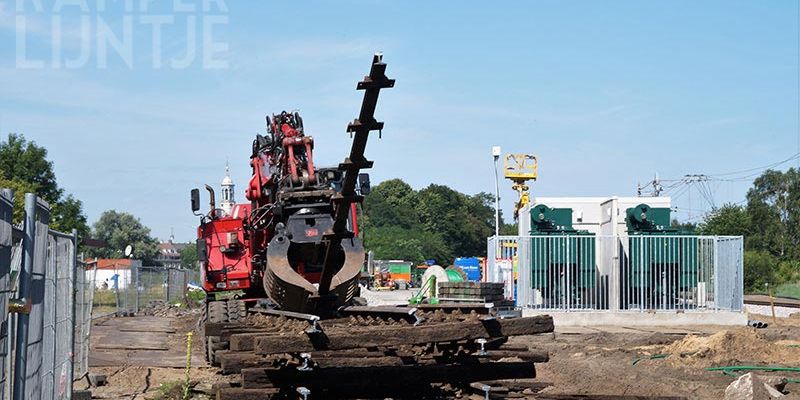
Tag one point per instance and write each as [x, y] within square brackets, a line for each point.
[244, 341]
[233, 362]
[116, 358]
[602, 397]
[146, 329]
[354, 380]
[246, 394]
[403, 335]
[132, 347]
[534, 356]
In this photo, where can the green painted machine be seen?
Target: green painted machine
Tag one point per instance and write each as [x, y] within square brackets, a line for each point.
[662, 261]
[563, 269]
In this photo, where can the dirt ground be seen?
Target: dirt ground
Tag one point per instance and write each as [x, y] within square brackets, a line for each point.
[159, 383]
[598, 362]
[603, 363]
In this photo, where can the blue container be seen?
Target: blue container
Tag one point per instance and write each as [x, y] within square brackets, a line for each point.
[471, 266]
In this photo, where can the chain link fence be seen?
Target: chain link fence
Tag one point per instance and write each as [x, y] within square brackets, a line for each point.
[136, 287]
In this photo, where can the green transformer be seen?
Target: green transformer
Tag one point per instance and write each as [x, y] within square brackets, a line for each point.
[563, 266]
[661, 263]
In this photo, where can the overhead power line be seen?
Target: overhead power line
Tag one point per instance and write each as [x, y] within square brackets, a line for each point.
[761, 168]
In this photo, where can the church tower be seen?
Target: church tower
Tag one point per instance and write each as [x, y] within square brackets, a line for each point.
[228, 200]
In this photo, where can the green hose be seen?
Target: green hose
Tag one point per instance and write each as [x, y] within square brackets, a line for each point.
[752, 368]
[730, 370]
[653, 357]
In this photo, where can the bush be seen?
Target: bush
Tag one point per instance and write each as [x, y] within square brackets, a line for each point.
[788, 271]
[759, 268]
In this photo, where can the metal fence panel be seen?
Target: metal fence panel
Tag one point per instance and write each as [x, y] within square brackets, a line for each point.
[35, 365]
[49, 310]
[628, 273]
[6, 251]
[176, 285]
[84, 298]
[41, 336]
[64, 318]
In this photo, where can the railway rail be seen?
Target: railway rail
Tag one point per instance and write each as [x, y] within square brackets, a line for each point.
[762, 300]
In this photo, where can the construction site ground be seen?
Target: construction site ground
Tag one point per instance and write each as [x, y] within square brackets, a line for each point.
[144, 357]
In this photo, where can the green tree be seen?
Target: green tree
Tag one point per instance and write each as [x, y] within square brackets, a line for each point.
[396, 243]
[509, 229]
[773, 204]
[19, 188]
[759, 268]
[68, 214]
[728, 220]
[392, 203]
[464, 222]
[25, 161]
[24, 167]
[683, 226]
[436, 222]
[118, 230]
[189, 257]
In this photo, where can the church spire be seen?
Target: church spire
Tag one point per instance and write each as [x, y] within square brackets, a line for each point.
[228, 200]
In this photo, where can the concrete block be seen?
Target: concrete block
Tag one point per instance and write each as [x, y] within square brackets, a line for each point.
[751, 387]
[81, 395]
[97, 380]
[634, 318]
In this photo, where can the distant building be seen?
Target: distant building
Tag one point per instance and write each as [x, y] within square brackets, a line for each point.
[169, 253]
[111, 273]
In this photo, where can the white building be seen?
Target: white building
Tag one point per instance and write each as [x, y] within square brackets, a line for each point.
[110, 272]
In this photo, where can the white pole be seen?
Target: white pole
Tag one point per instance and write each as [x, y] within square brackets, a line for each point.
[496, 155]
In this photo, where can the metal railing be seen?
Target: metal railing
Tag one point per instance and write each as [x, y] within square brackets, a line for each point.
[619, 273]
[38, 291]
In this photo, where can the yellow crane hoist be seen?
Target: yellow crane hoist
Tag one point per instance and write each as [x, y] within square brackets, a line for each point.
[520, 168]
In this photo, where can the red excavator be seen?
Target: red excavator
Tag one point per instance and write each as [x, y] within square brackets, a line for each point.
[294, 248]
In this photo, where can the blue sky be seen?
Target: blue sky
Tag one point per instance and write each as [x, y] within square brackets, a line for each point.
[605, 93]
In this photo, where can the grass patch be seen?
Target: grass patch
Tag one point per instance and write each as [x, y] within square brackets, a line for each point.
[197, 296]
[172, 390]
[105, 297]
[791, 290]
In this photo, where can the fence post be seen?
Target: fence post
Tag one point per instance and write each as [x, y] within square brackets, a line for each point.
[716, 273]
[166, 289]
[136, 284]
[6, 250]
[21, 354]
[73, 316]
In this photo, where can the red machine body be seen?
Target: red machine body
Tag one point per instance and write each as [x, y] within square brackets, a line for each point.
[296, 242]
[228, 255]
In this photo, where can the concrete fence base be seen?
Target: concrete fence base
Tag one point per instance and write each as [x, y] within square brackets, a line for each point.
[584, 318]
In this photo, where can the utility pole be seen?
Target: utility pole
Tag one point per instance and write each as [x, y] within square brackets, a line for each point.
[496, 154]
